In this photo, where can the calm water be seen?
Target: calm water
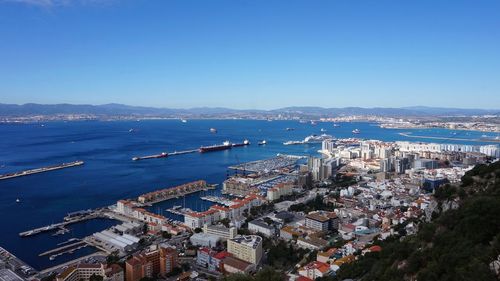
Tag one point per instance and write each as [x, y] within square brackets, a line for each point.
[109, 174]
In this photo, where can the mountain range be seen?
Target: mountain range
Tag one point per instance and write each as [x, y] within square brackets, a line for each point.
[30, 109]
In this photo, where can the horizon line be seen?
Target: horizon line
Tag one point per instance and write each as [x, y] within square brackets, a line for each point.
[410, 107]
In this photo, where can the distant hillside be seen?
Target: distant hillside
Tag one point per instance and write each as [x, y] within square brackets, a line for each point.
[120, 109]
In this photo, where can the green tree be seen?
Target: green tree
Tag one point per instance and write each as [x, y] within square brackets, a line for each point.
[95, 277]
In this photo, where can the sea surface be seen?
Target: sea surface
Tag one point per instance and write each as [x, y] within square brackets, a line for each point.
[109, 174]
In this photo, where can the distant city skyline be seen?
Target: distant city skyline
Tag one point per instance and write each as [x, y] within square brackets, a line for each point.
[251, 54]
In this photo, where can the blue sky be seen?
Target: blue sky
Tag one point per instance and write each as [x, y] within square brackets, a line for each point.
[251, 54]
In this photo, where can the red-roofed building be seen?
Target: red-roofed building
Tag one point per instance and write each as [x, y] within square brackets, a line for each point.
[315, 270]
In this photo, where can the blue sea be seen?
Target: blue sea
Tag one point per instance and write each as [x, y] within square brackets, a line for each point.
[109, 174]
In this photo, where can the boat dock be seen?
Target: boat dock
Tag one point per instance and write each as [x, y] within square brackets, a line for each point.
[161, 155]
[164, 155]
[41, 170]
[62, 249]
[180, 212]
[59, 226]
[218, 200]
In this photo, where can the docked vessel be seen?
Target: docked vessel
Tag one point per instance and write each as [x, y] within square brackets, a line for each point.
[310, 139]
[244, 143]
[225, 145]
[293, 142]
[356, 131]
[317, 139]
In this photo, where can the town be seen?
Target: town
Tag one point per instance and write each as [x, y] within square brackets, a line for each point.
[304, 216]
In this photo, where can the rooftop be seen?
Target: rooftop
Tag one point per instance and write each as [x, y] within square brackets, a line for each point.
[248, 240]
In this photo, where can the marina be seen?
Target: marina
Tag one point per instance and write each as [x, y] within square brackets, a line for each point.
[266, 165]
[218, 200]
[41, 170]
[174, 192]
[179, 212]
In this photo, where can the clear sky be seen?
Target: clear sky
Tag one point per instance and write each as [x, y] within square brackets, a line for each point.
[251, 54]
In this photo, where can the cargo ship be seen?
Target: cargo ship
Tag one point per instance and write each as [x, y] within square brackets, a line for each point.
[161, 155]
[225, 145]
[41, 170]
[244, 143]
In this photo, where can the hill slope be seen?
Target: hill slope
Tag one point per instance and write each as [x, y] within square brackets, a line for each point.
[459, 244]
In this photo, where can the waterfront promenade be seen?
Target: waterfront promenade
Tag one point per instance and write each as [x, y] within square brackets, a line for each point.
[409, 135]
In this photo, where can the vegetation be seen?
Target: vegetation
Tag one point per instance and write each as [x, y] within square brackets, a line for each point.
[316, 204]
[175, 271]
[342, 180]
[113, 258]
[266, 274]
[226, 222]
[95, 277]
[262, 209]
[284, 256]
[458, 245]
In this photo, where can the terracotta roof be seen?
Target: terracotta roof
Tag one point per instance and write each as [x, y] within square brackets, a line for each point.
[236, 263]
[321, 266]
[222, 255]
[375, 248]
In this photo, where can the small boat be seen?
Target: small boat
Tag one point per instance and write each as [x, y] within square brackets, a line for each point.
[323, 130]
[289, 129]
[177, 207]
[356, 131]
[18, 200]
[52, 257]
[336, 125]
[263, 142]
[131, 130]
[184, 120]
[313, 123]
[213, 130]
